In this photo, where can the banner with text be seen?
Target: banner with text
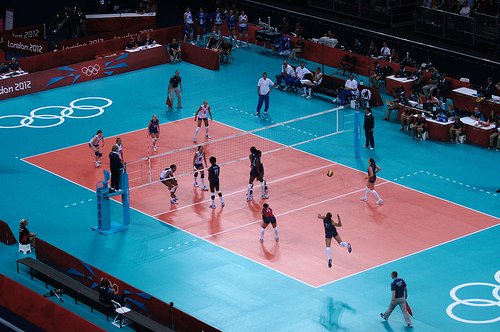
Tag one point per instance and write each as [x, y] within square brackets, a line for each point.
[25, 45]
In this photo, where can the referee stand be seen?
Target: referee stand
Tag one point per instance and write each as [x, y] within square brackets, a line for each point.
[104, 224]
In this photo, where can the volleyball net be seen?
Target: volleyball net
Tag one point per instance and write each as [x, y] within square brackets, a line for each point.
[269, 139]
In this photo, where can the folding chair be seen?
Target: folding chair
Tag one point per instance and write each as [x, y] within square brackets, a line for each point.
[120, 320]
[344, 64]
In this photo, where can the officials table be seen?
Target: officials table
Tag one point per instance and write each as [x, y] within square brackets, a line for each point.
[465, 98]
[437, 130]
[267, 36]
[142, 48]
[477, 133]
[392, 83]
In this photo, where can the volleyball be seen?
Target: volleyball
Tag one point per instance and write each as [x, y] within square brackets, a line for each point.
[329, 173]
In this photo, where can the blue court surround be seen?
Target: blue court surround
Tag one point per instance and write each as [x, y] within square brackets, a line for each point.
[226, 290]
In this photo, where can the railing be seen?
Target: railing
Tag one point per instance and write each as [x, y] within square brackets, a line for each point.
[457, 28]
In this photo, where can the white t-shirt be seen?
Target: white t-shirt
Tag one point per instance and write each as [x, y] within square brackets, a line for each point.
[289, 70]
[302, 71]
[385, 51]
[366, 94]
[264, 85]
[351, 85]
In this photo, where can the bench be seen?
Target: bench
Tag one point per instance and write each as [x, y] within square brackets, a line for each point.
[84, 294]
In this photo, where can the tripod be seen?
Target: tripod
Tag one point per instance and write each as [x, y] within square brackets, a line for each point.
[55, 292]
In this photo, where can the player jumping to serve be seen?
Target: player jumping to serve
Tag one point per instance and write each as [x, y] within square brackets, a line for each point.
[213, 179]
[256, 172]
[167, 178]
[202, 114]
[198, 160]
[95, 145]
[331, 231]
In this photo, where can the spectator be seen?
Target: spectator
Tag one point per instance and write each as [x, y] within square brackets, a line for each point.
[394, 56]
[149, 40]
[284, 27]
[377, 75]
[299, 30]
[372, 49]
[419, 127]
[25, 236]
[357, 47]
[385, 52]
[131, 44]
[465, 11]
[477, 115]
[350, 89]
[139, 41]
[489, 89]
[299, 48]
[309, 85]
[495, 137]
[3, 68]
[174, 51]
[329, 39]
[429, 88]
[286, 71]
[406, 119]
[456, 130]
[402, 72]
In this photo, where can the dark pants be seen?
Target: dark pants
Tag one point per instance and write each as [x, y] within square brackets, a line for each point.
[115, 179]
[369, 138]
[263, 99]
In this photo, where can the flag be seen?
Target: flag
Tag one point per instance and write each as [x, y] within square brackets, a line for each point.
[169, 102]
[409, 309]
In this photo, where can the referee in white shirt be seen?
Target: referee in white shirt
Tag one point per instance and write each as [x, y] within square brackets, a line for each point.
[264, 87]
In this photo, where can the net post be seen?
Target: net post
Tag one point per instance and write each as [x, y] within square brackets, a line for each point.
[357, 135]
[337, 113]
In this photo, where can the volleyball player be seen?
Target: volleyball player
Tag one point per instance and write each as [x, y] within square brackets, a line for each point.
[373, 169]
[119, 146]
[268, 218]
[154, 131]
[202, 114]
[198, 160]
[256, 172]
[213, 179]
[331, 231]
[243, 26]
[95, 145]
[231, 27]
[167, 178]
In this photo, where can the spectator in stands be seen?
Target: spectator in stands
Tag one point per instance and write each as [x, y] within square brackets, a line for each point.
[456, 130]
[298, 48]
[284, 27]
[350, 89]
[495, 137]
[357, 47]
[394, 56]
[14, 65]
[429, 88]
[141, 8]
[300, 72]
[402, 72]
[477, 115]
[149, 40]
[372, 49]
[465, 11]
[427, 3]
[377, 74]
[151, 7]
[25, 236]
[139, 41]
[3, 68]
[174, 51]
[385, 52]
[419, 126]
[286, 71]
[489, 89]
[309, 85]
[365, 96]
[443, 86]
[406, 119]
[131, 44]
[299, 30]
[107, 292]
[202, 20]
[329, 39]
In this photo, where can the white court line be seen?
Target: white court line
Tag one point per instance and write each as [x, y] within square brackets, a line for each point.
[243, 190]
[294, 210]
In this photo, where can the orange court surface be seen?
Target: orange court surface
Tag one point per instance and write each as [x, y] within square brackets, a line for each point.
[299, 190]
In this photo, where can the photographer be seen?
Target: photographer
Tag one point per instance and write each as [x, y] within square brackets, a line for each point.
[25, 236]
[107, 292]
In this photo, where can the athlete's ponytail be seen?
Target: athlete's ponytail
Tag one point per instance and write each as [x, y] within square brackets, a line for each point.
[372, 161]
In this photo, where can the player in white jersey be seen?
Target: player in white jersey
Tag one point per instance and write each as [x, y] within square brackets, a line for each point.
[198, 160]
[202, 114]
[243, 26]
[188, 22]
[119, 145]
[167, 178]
[95, 145]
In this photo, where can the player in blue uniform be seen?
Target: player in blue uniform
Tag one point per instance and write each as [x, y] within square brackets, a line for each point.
[188, 25]
[268, 218]
[256, 172]
[154, 131]
[331, 231]
[202, 19]
[372, 171]
[218, 18]
[231, 27]
[213, 179]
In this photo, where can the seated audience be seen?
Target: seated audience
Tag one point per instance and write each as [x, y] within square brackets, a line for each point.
[403, 73]
[385, 52]
[391, 106]
[3, 68]
[419, 126]
[131, 44]
[299, 30]
[357, 47]
[149, 40]
[429, 88]
[495, 136]
[308, 85]
[286, 72]
[465, 11]
[299, 48]
[443, 86]
[377, 75]
[394, 56]
[25, 236]
[489, 89]
[477, 115]
[284, 27]
[14, 65]
[372, 49]
[406, 118]
[108, 293]
[350, 89]
[456, 130]
[328, 39]
[139, 41]
[174, 51]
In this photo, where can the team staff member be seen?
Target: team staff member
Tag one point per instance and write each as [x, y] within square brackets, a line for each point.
[202, 113]
[116, 165]
[175, 86]
[369, 126]
[399, 295]
[167, 178]
[372, 171]
[268, 218]
[213, 180]
[95, 145]
[264, 87]
[331, 231]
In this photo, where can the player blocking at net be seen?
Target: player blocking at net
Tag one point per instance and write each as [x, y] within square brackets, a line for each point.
[202, 114]
[167, 178]
[256, 172]
[198, 159]
[213, 180]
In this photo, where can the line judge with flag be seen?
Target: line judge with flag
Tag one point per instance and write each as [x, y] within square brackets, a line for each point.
[399, 295]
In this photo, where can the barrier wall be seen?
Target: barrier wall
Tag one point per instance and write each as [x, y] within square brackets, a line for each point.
[99, 25]
[25, 45]
[33, 32]
[6, 235]
[2, 56]
[40, 311]
[82, 72]
[139, 300]
[200, 56]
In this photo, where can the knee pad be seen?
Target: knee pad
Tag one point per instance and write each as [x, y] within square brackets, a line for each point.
[174, 188]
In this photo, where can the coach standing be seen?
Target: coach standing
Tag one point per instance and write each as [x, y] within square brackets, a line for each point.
[369, 125]
[264, 87]
[399, 295]
[115, 164]
[175, 86]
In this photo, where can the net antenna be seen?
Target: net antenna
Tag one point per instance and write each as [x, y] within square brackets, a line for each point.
[235, 148]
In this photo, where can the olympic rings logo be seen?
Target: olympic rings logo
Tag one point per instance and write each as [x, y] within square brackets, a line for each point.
[91, 70]
[57, 119]
[476, 302]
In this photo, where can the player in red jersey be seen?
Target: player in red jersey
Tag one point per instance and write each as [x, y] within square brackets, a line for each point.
[268, 218]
